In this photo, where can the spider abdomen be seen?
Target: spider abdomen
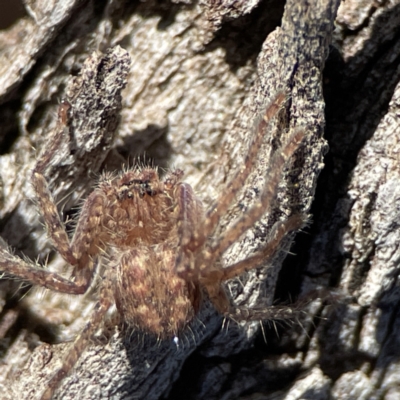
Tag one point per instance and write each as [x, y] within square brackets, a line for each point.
[148, 292]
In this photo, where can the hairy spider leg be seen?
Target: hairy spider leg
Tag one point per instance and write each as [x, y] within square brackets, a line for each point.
[224, 201]
[190, 220]
[277, 166]
[35, 274]
[80, 343]
[279, 231]
[85, 245]
[213, 275]
[193, 240]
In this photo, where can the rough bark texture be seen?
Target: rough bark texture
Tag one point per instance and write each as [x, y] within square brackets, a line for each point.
[200, 75]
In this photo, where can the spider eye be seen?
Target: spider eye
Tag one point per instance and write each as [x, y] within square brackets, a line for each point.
[142, 186]
[138, 182]
[145, 188]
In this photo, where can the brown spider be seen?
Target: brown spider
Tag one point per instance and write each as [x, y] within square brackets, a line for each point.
[157, 242]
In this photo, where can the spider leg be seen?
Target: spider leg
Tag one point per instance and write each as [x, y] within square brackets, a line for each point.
[81, 341]
[220, 300]
[190, 214]
[265, 313]
[39, 276]
[89, 233]
[278, 163]
[221, 205]
[55, 227]
[280, 230]
[239, 313]
[279, 312]
[290, 312]
[212, 278]
[81, 252]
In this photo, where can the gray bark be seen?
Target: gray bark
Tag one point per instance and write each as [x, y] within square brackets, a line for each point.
[200, 76]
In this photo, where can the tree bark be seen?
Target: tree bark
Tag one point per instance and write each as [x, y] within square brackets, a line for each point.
[200, 76]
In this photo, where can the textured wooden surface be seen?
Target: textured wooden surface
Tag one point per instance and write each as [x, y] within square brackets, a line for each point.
[200, 75]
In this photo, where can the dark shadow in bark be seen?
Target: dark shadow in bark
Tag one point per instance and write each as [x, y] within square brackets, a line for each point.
[242, 38]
